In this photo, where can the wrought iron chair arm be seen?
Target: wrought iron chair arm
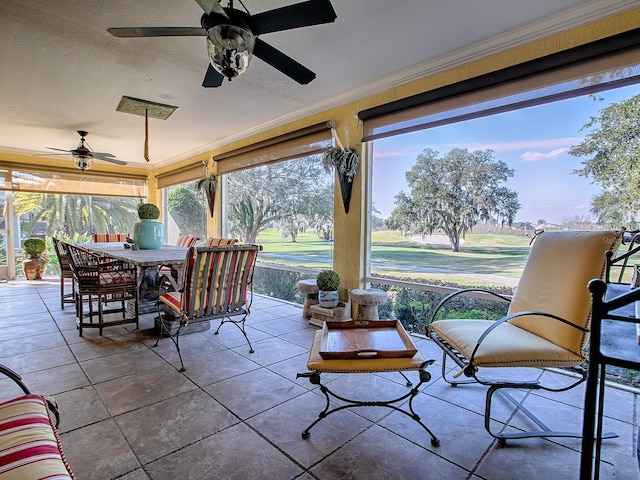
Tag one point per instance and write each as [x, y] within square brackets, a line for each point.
[15, 377]
[506, 318]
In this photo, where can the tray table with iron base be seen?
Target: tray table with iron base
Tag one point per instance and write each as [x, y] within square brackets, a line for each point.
[365, 361]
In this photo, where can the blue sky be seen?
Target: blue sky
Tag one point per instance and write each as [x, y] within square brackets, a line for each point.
[533, 141]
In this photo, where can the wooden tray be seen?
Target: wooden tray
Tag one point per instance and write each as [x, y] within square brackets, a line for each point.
[365, 339]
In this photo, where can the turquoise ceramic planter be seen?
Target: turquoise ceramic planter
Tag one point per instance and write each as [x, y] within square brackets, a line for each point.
[148, 234]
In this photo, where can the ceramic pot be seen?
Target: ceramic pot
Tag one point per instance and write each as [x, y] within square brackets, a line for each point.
[148, 234]
[34, 268]
[328, 299]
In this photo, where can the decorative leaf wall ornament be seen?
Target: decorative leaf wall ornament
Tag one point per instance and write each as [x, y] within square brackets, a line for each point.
[345, 161]
[208, 184]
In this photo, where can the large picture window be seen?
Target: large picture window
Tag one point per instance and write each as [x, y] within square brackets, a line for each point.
[460, 184]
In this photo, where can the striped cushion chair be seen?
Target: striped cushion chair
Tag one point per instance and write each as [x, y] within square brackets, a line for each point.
[215, 283]
[29, 443]
[183, 241]
[110, 237]
[219, 242]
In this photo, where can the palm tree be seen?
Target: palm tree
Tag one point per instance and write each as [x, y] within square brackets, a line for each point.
[76, 213]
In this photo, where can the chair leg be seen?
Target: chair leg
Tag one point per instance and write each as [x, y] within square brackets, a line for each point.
[544, 430]
[240, 325]
[61, 292]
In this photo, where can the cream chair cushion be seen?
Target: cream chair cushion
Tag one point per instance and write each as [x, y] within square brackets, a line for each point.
[555, 280]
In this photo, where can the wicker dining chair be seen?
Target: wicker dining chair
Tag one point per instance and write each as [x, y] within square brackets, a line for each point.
[104, 280]
[65, 273]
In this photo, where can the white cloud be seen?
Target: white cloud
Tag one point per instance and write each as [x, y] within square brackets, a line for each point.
[515, 145]
[531, 156]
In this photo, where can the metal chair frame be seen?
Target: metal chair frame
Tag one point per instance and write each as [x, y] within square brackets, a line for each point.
[470, 367]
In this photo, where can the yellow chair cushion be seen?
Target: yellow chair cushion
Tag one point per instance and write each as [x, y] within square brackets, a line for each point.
[506, 346]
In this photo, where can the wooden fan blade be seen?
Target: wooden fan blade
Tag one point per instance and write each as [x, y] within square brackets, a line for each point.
[129, 32]
[303, 14]
[211, 6]
[212, 78]
[107, 157]
[282, 62]
[58, 149]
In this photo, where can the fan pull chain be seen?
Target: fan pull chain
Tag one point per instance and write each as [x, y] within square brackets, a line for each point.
[146, 135]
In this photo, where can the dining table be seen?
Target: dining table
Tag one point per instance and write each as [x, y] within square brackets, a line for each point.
[148, 263]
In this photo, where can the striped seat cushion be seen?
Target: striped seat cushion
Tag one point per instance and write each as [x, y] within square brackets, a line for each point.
[29, 444]
[110, 237]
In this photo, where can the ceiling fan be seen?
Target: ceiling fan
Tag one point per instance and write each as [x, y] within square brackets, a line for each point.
[83, 155]
[232, 36]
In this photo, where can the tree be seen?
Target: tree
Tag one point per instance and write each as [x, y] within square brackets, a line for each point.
[76, 213]
[290, 196]
[188, 211]
[613, 146]
[453, 193]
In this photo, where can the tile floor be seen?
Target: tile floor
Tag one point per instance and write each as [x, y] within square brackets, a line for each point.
[128, 413]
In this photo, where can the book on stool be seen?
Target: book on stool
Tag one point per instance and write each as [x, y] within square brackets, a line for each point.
[336, 314]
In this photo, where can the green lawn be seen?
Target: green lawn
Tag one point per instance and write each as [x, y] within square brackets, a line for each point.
[483, 260]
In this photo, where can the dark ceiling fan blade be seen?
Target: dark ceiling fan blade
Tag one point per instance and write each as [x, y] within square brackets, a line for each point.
[107, 157]
[128, 32]
[58, 149]
[211, 6]
[282, 62]
[212, 78]
[304, 14]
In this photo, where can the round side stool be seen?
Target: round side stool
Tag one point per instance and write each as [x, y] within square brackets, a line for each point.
[368, 301]
[310, 289]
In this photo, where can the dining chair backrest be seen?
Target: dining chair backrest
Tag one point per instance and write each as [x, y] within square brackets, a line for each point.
[215, 279]
[186, 241]
[110, 237]
[219, 242]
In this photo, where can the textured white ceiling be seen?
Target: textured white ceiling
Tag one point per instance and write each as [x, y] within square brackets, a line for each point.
[62, 71]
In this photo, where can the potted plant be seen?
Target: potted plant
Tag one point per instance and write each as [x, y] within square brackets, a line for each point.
[345, 161]
[148, 233]
[328, 282]
[35, 250]
[208, 184]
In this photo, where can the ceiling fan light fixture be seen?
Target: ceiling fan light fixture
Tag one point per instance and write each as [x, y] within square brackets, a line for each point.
[230, 49]
[83, 162]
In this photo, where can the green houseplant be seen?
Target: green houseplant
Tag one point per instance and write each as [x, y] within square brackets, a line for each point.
[148, 233]
[345, 161]
[36, 258]
[328, 282]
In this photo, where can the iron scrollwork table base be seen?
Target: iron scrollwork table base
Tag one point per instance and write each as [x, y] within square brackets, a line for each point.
[317, 365]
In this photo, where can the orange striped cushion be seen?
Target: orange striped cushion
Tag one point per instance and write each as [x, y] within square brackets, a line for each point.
[110, 237]
[219, 242]
[186, 241]
[172, 299]
[29, 445]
